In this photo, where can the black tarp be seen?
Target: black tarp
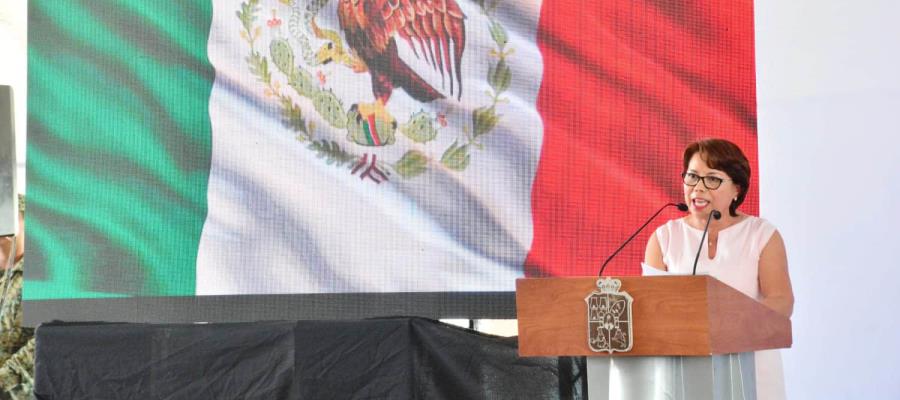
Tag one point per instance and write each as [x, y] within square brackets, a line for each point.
[386, 358]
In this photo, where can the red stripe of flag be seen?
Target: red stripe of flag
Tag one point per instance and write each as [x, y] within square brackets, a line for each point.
[627, 85]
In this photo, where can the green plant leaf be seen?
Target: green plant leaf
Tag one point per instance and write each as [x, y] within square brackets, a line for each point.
[484, 119]
[246, 14]
[292, 115]
[332, 152]
[456, 157]
[413, 163]
[498, 33]
[499, 76]
[259, 66]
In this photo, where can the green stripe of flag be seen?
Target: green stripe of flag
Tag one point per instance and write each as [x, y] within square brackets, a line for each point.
[370, 138]
[118, 146]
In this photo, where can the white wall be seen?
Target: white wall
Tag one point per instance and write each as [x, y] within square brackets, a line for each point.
[13, 46]
[828, 78]
[828, 75]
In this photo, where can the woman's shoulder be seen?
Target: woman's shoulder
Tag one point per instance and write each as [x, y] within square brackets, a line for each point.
[670, 226]
[677, 223]
[759, 224]
[672, 230]
[758, 230]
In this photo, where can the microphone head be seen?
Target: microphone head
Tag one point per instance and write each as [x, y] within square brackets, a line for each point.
[681, 207]
[717, 215]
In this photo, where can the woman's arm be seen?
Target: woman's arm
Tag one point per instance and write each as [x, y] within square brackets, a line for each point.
[653, 254]
[774, 281]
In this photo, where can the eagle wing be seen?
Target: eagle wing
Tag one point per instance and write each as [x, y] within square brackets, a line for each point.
[434, 25]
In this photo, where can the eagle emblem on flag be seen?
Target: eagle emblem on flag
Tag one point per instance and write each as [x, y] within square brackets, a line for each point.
[314, 66]
[609, 317]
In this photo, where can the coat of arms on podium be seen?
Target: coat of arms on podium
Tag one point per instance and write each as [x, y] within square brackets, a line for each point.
[609, 317]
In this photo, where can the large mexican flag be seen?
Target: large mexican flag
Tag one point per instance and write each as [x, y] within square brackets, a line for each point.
[190, 148]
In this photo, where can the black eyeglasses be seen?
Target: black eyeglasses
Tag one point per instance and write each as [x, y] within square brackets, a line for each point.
[710, 182]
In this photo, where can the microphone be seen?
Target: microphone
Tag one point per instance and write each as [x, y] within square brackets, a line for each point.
[681, 207]
[714, 214]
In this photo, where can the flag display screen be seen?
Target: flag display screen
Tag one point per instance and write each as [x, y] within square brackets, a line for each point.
[228, 160]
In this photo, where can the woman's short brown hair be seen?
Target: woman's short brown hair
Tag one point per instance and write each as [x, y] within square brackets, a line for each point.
[727, 157]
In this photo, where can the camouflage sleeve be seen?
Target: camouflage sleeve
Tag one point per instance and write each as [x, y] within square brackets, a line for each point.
[17, 373]
[12, 335]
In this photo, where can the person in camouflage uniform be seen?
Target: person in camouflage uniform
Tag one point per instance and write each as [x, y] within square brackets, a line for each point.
[16, 342]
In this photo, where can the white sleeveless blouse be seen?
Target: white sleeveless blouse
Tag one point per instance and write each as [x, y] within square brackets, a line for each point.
[736, 264]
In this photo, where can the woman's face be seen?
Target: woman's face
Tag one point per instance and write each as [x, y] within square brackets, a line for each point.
[702, 200]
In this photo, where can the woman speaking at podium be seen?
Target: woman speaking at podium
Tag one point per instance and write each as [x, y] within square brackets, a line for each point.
[743, 251]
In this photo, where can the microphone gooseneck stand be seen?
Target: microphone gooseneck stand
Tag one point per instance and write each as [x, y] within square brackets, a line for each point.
[714, 214]
[681, 207]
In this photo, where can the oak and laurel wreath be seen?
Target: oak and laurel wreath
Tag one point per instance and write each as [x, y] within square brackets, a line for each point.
[299, 80]
[414, 162]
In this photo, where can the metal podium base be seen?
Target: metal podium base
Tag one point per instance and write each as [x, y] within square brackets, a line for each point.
[719, 377]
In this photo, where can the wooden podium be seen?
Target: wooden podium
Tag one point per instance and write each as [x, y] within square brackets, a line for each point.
[693, 336]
